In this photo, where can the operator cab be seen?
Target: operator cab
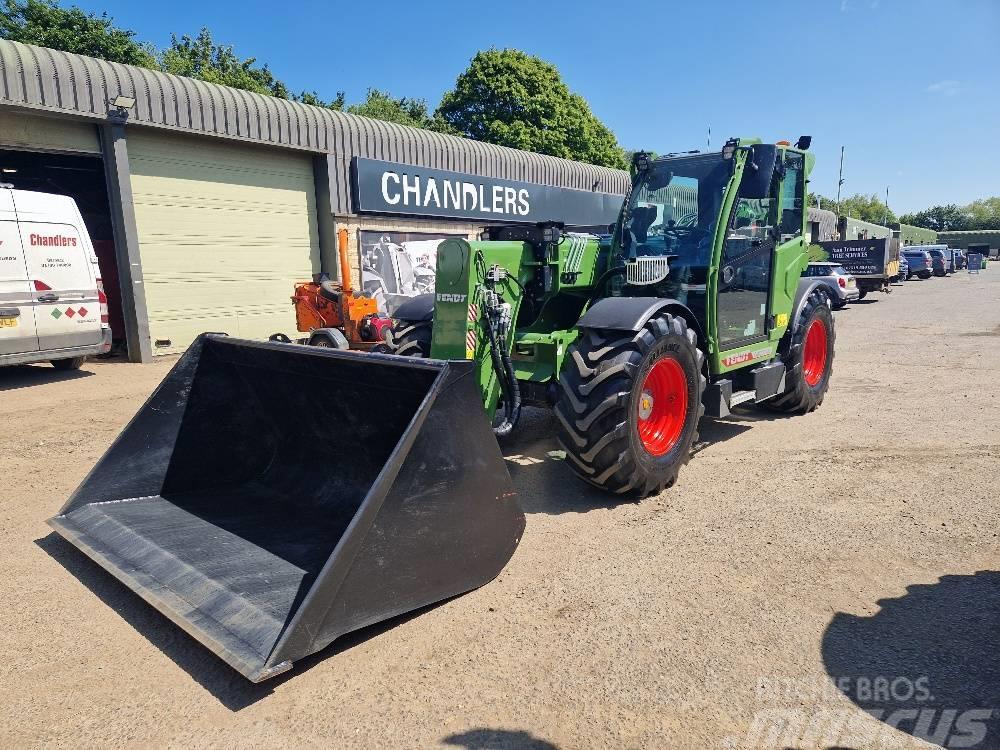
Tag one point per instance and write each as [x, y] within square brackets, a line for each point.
[670, 228]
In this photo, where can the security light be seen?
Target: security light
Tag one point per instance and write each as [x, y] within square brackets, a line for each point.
[123, 102]
[9, 170]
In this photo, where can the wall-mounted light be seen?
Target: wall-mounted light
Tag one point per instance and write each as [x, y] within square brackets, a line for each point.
[120, 107]
[9, 170]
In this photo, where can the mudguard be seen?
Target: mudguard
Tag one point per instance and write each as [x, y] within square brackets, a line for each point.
[632, 313]
[806, 286]
[416, 309]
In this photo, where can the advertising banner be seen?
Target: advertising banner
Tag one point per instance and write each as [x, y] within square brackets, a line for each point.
[858, 257]
[398, 265]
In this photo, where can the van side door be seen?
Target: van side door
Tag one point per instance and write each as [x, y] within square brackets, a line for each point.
[17, 314]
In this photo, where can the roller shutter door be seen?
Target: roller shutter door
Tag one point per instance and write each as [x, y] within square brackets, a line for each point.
[30, 133]
[224, 231]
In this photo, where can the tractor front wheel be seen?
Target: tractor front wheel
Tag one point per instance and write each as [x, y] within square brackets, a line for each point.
[808, 359]
[629, 405]
[412, 339]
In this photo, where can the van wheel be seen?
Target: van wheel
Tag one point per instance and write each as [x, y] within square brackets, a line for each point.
[69, 364]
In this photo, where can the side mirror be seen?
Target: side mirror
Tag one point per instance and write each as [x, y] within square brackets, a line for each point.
[758, 173]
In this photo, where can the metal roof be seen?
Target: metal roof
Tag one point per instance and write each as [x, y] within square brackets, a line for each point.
[64, 83]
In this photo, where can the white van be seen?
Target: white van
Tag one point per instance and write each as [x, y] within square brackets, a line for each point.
[52, 303]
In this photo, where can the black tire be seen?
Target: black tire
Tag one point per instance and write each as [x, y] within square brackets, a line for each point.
[924, 274]
[69, 364]
[800, 397]
[412, 339]
[862, 293]
[600, 388]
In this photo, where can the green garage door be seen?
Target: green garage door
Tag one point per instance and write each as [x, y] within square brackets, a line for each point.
[224, 231]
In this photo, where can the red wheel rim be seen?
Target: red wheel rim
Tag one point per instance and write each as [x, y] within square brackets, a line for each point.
[663, 403]
[814, 352]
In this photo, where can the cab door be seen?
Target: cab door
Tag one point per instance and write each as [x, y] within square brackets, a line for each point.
[745, 272]
[789, 255]
[17, 314]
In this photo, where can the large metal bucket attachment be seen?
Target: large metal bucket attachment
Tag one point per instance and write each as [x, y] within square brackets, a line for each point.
[269, 498]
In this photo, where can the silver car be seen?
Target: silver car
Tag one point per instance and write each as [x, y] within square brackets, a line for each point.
[841, 286]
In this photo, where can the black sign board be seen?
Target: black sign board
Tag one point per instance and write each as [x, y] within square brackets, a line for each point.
[859, 257]
[389, 188]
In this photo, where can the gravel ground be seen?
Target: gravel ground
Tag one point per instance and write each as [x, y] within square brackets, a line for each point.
[803, 571]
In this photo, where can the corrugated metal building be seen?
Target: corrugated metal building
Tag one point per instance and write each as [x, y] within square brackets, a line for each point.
[207, 203]
[990, 237]
[911, 235]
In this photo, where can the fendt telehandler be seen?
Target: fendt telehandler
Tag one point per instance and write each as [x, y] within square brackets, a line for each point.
[695, 305]
[270, 497]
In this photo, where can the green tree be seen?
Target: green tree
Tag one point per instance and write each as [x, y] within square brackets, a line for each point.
[381, 105]
[205, 60]
[984, 213]
[510, 98]
[939, 218]
[311, 97]
[44, 23]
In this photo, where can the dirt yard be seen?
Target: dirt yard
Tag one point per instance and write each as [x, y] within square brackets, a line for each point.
[810, 581]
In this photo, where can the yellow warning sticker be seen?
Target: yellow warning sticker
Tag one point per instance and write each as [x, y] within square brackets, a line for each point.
[781, 320]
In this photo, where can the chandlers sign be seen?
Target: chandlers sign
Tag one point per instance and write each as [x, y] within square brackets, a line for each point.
[389, 188]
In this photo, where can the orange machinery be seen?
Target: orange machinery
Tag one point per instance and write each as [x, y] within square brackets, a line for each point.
[323, 307]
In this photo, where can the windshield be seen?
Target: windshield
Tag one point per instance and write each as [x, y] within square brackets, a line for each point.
[674, 205]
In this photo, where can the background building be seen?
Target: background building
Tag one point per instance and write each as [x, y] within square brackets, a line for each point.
[990, 237]
[206, 203]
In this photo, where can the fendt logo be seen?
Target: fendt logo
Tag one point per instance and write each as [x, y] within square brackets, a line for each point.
[451, 297]
[52, 240]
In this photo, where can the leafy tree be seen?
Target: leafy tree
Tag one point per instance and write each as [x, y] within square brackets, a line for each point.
[510, 98]
[868, 208]
[939, 218]
[381, 105]
[311, 97]
[205, 60]
[44, 23]
[984, 213]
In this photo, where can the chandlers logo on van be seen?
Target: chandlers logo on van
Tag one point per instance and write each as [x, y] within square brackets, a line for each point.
[51, 240]
[391, 188]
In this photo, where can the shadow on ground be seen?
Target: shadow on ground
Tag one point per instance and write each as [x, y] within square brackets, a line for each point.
[31, 376]
[229, 687]
[498, 739]
[927, 663]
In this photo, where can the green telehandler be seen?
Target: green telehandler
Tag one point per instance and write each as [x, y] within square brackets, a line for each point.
[270, 497]
[694, 304]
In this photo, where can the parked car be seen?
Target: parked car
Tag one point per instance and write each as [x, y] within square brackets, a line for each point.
[52, 303]
[841, 286]
[904, 268]
[940, 261]
[920, 263]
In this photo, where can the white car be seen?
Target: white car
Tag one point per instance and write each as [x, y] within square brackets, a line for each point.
[52, 303]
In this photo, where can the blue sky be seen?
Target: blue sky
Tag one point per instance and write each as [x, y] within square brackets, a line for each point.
[911, 88]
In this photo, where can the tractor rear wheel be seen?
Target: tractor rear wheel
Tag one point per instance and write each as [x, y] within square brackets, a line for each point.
[629, 404]
[808, 359]
[412, 339]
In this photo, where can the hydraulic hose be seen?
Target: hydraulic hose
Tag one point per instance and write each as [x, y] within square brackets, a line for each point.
[504, 369]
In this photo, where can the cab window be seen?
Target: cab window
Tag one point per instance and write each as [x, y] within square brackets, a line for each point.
[791, 196]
